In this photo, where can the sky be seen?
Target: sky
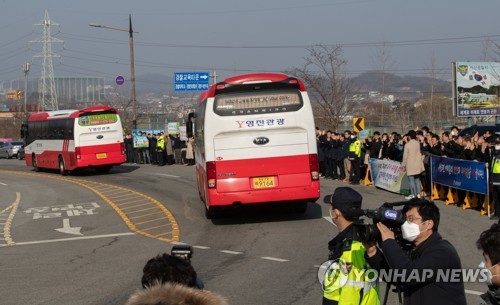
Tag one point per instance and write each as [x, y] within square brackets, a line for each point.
[234, 37]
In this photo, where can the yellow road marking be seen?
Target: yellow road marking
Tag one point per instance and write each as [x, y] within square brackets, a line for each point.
[146, 215]
[129, 202]
[100, 189]
[8, 222]
[152, 220]
[135, 206]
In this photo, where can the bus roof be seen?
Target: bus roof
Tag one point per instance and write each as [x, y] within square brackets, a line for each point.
[251, 79]
[69, 113]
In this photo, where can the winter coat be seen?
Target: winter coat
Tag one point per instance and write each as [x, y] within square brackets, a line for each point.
[168, 145]
[433, 254]
[412, 158]
[174, 294]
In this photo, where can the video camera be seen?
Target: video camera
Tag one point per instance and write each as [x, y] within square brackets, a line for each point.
[387, 215]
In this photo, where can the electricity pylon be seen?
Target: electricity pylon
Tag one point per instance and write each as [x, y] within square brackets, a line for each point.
[46, 85]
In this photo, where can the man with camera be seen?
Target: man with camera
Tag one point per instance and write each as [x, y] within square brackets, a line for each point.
[489, 242]
[344, 280]
[418, 273]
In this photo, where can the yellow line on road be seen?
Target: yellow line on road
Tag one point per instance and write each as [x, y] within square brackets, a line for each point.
[6, 229]
[152, 220]
[145, 215]
[100, 189]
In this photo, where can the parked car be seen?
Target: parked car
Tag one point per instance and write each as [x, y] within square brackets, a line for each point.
[480, 129]
[10, 149]
[20, 153]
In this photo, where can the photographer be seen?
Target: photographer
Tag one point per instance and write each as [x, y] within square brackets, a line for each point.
[347, 254]
[431, 253]
[171, 280]
[489, 242]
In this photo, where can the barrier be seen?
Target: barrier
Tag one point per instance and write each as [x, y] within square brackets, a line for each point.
[368, 177]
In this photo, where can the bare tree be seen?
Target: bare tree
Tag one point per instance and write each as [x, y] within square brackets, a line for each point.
[325, 76]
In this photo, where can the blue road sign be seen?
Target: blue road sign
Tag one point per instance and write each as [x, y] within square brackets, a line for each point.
[119, 80]
[191, 81]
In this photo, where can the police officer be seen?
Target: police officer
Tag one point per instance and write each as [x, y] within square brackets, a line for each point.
[495, 178]
[160, 148]
[355, 158]
[346, 280]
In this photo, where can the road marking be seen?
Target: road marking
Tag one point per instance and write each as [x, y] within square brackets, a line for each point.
[6, 229]
[201, 247]
[168, 232]
[3, 184]
[71, 239]
[329, 219]
[231, 252]
[275, 259]
[167, 175]
[68, 229]
[473, 292]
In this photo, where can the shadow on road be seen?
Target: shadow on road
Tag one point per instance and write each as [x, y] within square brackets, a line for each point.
[266, 213]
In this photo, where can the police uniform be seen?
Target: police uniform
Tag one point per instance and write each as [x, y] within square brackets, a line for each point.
[346, 280]
[355, 157]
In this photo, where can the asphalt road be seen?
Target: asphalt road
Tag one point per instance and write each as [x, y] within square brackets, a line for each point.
[251, 256]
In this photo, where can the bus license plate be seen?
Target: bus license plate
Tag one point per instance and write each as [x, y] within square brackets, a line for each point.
[263, 182]
[101, 156]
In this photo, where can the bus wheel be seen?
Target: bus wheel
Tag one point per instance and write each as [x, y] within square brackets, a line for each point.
[210, 212]
[35, 165]
[62, 168]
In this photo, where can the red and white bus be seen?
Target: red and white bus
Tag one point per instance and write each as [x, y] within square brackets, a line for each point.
[255, 143]
[72, 139]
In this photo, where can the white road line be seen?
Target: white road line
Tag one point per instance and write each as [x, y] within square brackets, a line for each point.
[167, 175]
[3, 184]
[329, 219]
[231, 252]
[275, 259]
[70, 239]
[201, 247]
[473, 292]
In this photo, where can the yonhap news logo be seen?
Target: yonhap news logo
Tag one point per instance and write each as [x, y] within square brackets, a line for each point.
[334, 274]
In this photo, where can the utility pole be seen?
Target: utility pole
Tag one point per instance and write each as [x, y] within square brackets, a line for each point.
[215, 77]
[26, 69]
[132, 72]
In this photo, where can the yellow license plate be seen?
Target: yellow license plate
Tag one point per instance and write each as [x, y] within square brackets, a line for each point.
[263, 182]
[101, 156]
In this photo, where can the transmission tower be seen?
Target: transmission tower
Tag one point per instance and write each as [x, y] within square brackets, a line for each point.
[46, 85]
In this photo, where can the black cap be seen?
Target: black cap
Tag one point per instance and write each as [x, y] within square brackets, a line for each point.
[346, 200]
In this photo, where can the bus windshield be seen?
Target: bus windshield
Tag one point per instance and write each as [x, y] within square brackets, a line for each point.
[257, 102]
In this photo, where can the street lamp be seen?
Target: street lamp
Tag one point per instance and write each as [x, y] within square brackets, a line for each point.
[132, 69]
[26, 69]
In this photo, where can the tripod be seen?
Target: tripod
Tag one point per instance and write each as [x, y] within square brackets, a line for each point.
[396, 288]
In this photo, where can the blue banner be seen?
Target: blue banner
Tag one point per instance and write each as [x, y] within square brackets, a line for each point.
[466, 175]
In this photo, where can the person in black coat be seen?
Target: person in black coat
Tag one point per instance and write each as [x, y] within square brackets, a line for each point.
[489, 243]
[419, 270]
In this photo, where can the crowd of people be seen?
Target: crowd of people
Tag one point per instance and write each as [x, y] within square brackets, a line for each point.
[160, 150]
[343, 156]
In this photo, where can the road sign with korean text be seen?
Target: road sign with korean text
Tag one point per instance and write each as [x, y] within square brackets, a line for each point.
[191, 81]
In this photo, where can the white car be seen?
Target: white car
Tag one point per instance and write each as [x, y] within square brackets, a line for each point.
[9, 150]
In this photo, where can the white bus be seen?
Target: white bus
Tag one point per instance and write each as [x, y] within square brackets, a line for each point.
[71, 139]
[255, 143]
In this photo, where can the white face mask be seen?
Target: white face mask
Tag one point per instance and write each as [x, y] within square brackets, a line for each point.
[497, 147]
[410, 231]
[453, 133]
[489, 275]
[352, 136]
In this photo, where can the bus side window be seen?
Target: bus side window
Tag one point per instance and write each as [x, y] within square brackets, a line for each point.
[24, 131]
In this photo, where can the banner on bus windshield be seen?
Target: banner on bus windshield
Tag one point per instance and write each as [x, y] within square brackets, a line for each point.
[256, 103]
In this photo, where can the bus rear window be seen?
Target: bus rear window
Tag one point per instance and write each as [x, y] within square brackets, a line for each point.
[257, 102]
[97, 119]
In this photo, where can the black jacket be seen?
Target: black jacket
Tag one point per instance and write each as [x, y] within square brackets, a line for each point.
[491, 297]
[434, 253]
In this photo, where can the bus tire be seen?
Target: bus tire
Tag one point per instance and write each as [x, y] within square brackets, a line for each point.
[34, 163]
[62, 168]
[210, 212]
